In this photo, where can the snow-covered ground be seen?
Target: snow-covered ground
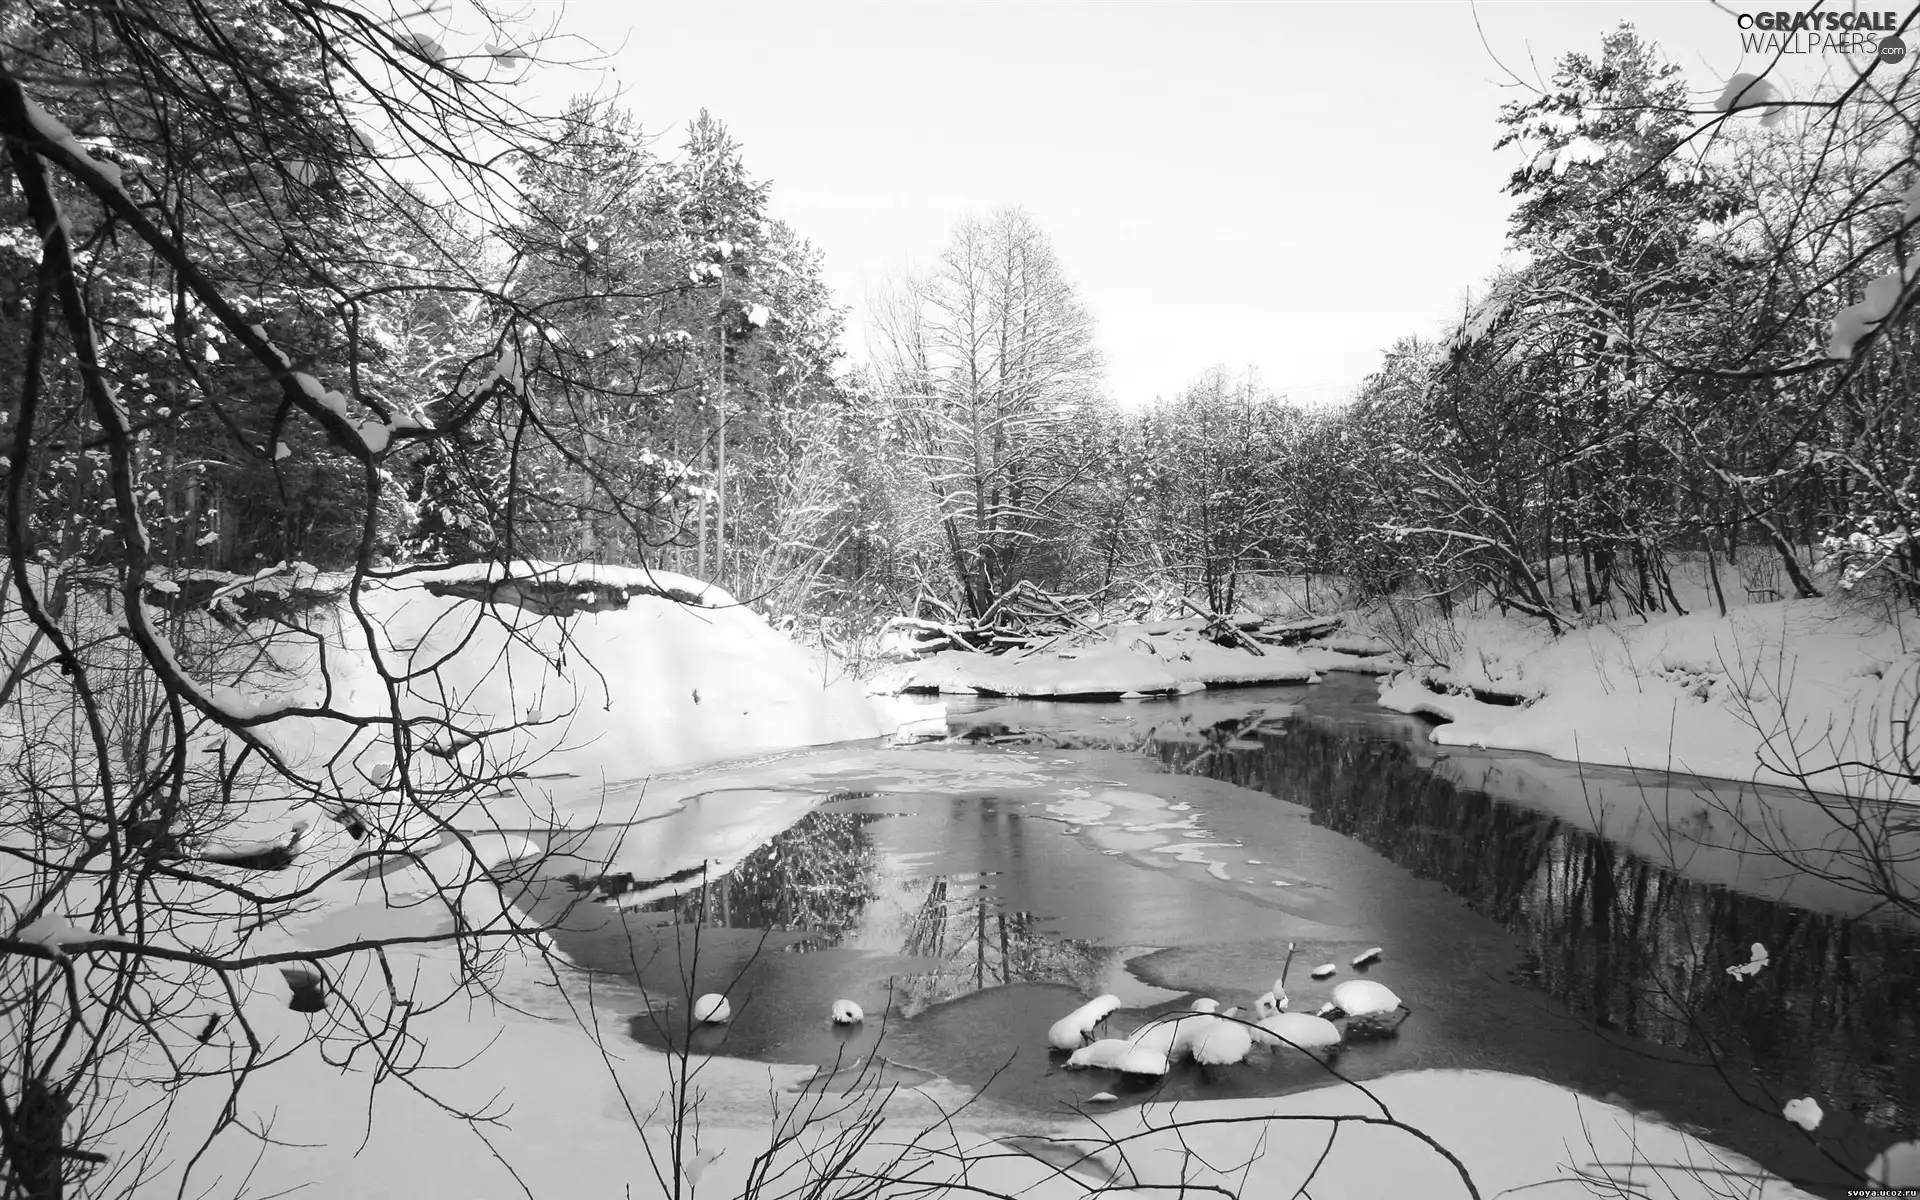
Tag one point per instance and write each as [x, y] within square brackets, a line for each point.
[1126, 662]
[565, 1129]
[573, 1103]
[678, 675]
[1776, 692]
[573, 718]
[608, 715]
[1818, 692]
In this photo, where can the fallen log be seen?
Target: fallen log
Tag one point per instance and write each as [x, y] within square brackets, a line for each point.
[1223, 630]
[1292, 633]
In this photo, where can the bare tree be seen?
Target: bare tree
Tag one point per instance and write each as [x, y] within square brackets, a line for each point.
[229, 241]
[990, 359]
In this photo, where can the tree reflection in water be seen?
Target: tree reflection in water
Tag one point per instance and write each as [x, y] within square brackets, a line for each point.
[1625, 942]
[980, 945]
[823, 876]
[816, 877]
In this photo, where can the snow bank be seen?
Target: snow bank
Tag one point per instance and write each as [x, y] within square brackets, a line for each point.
[564, 1127]
[663, 671]
[1168, 658]
[1766, 693]
[1509, 1132]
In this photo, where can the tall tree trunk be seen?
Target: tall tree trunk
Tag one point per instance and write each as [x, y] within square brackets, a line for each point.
[720, 463]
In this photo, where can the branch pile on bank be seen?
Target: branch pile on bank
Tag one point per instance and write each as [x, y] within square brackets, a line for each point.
[1034, 644]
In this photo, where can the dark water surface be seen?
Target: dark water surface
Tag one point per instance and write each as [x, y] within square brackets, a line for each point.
[1566, 924]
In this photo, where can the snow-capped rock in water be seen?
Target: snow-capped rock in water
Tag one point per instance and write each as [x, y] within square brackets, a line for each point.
[712, 1009]
[1219, 1042]
[1371, 1007]
[1159, 1037]
[1804, 1112]
[1364, 998]
[1119, 1054]
[1298, 1029]
[1075, 1030]
[846, 1012]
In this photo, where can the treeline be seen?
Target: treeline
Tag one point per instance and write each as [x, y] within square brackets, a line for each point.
[1706, 350]
[339, 297]
[1705, 354]
[366, 326]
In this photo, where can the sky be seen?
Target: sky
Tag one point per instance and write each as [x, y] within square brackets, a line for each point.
[1283, 186]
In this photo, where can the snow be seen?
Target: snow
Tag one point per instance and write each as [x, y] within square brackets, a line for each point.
[1128, 661]
[674, 684]
[1578, 150]
[48, 126]
[1364, 998]
[565, 1129]
[582, 704]
[1896, 1166]
[1804, 1112]
[1756, 963]
[335, 402]
[1073, 1030]
[55, 934]
[506, 369]
[564, 1092]
[374, 435]
[1767, 693]
[632, 695]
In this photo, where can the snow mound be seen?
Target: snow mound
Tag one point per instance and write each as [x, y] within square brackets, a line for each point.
[570, 680]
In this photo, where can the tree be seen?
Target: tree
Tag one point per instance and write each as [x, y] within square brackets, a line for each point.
[1608, 216]
[1213, 474]
[678, 326]
[232, 300]
[991, 361]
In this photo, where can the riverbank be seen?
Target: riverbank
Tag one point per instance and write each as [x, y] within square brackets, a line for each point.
[549, 1063]
[1802, 693]
[550, 1056]
[1812, 694]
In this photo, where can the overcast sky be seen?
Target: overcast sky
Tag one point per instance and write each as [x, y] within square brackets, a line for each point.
[1289, 186]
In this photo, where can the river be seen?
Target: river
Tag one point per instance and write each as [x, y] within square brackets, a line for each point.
[1566, 923]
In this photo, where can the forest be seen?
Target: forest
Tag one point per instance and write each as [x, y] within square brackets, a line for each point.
[588, 346]
[301, 306]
